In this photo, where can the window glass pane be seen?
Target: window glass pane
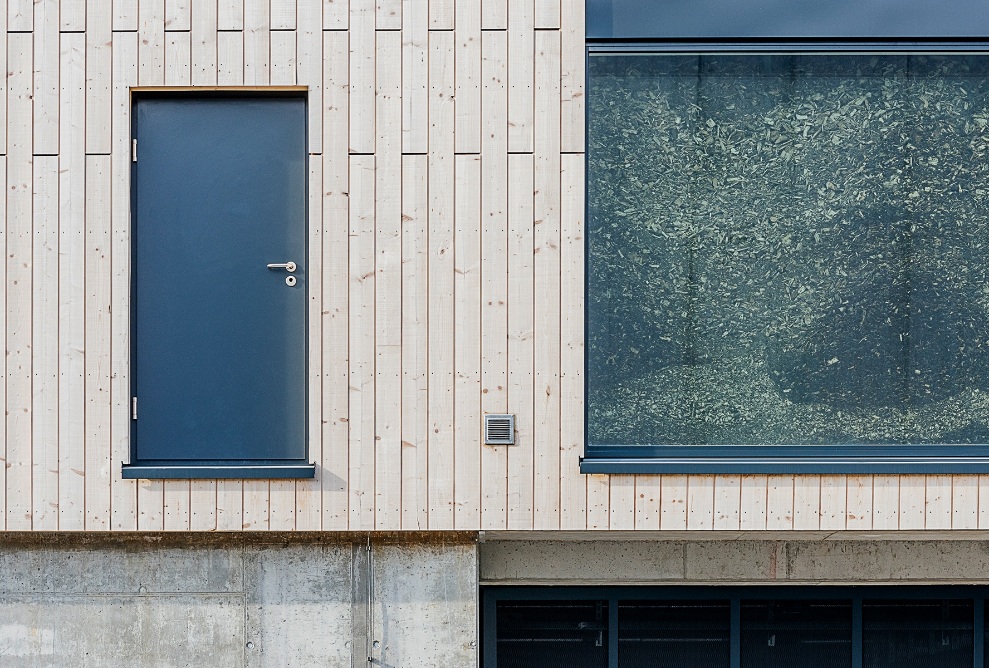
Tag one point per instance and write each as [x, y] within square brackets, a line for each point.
[810, 634]
[917, 634]
[563, 634]
[668, 634]
[788, 249]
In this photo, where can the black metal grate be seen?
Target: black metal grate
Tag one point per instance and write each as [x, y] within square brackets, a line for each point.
[809, 634]
[917, 634]
[552, 634]
[670, 634]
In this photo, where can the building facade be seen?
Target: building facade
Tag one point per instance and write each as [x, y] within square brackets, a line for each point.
[444, 221]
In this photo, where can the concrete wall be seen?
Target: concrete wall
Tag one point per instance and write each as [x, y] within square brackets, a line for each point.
[219, 601]
[843, 561]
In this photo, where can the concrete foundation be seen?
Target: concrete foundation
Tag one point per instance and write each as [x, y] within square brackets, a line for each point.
[713, 562]
[172, 600]
[410, 601]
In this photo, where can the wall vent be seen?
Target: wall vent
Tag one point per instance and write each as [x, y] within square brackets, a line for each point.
[499, 429]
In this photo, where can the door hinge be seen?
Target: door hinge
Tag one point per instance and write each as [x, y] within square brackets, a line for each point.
[133, 408]
[133, 150]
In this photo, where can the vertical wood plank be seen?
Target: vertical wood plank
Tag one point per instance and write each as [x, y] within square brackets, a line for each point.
[547, 280]
[257, 43]
[415, 335]
[598, 502]
[388, 286]
[700, 502]
[72, 282]
[467, 64]
[281, 505]
[647, 492]
[98, 274]
[284, 60]
[336, 14]
[178, 59]
[230, 58]
[965, 502]
[779, 502]
[123, 493]
[572, 77]
[283, 15]
[912, 499]
[151, 505]
[72, 15]
[442, 14]
[46, 56]
[19, 276]
[388, 14]
[467, 342]
[20, 17]
[885, 502]
[362, 69]
[336, 283]
[727, 502]
[4, 85]
[204, 47]
[99, 62]
[308, 499]
[859, 502]
[441, 280]
[834, 493]
[807, 503]
[3, 316]
[178, 505]
[229, 505]
[178, 15]
[548, 13]
[415, 76]
[362, 330]
[125, 15]
[622, 506]
[983, 501]
[494, 14]
[937, 502]
[673, 503]
[310, 67]
[202, 504]
[573, 486]
[494, 272]
[230, 15]
[754, 497]
[151, 44]
[257, 505]
[44, 345]
[521, 299]
[521, 60]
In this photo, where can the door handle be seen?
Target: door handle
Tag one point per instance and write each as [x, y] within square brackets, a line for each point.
[287, 266]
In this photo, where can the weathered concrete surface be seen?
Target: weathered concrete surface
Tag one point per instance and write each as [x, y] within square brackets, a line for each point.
[740, 561]
[298, 605]
[217, 601]
[426, 606]
[157, 631]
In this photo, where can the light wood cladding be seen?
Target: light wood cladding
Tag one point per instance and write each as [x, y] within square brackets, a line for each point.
[446, 278]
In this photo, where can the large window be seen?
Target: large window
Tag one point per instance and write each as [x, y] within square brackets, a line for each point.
[788, 260]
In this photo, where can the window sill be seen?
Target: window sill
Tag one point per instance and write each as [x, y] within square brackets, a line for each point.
[792, 459]
[214, 471]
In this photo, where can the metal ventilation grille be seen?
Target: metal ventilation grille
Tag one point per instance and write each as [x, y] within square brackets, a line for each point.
[499, 429]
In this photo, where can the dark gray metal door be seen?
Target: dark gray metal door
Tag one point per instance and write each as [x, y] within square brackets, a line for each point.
[219, 351]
